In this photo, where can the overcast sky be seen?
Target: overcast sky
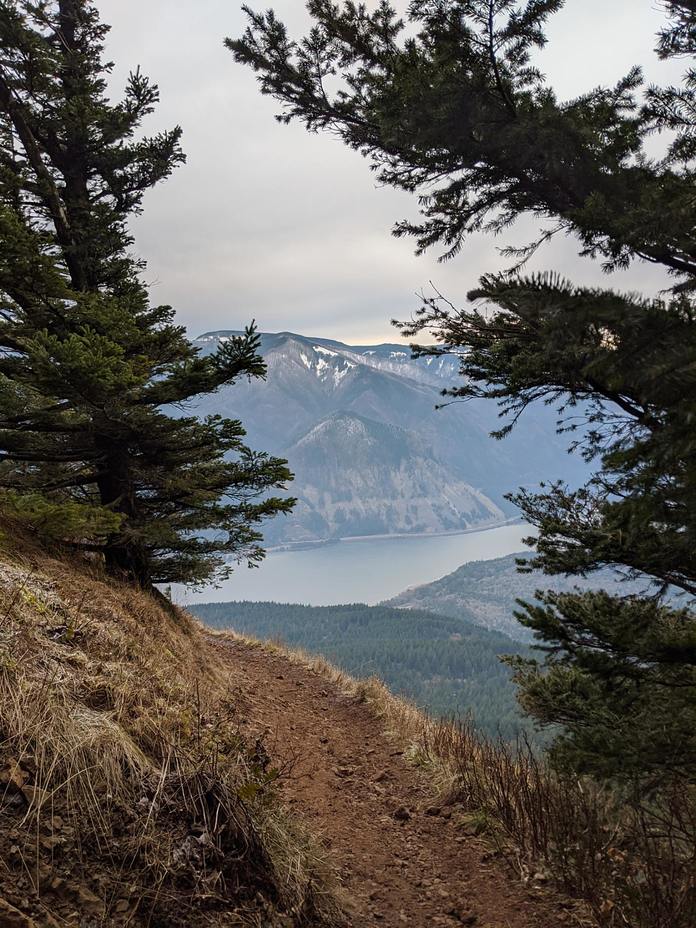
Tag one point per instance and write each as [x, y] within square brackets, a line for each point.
[268, 222]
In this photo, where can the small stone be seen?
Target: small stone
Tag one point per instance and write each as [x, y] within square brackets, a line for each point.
[13, 776]
[382, 776]
[401, 814]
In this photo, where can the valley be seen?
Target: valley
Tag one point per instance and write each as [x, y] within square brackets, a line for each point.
[371, 453]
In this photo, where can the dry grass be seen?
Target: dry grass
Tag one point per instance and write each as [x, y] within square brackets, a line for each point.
[126, 788]
[631, 861]
[630, 864]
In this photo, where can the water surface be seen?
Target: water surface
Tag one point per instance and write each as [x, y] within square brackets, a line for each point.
[365, 570]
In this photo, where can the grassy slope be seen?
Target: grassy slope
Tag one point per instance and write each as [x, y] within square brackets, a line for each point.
[127, 793]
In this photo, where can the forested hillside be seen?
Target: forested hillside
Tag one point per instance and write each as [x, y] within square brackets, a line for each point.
[486, 592]
[445, 665]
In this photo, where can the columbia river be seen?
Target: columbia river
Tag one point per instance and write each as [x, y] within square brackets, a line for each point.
[366, 570]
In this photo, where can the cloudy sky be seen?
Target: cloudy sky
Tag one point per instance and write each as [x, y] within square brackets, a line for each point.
[268, 222]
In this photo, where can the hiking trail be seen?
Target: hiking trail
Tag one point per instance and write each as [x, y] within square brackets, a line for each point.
[402, 858]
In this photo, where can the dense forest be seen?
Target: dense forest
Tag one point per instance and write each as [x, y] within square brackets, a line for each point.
[445, 665]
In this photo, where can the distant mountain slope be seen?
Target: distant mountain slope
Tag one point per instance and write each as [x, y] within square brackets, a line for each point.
[357, 476]
[429, 470]
[445, 665]
[484, 592]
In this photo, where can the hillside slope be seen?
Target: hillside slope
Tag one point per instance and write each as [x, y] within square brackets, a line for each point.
[128, 793]
[446, 666]
[404, 858]
[486, 592]
[153, 772]
[355, 476]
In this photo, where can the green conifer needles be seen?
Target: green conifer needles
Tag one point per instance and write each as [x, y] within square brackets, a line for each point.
[90, 371]
[454, 109]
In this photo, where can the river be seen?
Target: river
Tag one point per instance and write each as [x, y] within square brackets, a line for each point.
[360, 570]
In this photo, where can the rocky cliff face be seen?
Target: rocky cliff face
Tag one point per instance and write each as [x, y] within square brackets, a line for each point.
[370, 451]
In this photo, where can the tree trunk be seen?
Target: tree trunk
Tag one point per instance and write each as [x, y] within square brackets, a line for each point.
[124, 553]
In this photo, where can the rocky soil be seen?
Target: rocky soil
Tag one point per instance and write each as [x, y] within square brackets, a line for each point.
[402, 859]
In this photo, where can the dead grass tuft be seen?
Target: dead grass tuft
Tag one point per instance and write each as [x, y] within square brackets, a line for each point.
[631, 862]
[127, 792]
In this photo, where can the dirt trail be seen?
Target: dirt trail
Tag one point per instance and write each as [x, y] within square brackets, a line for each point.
[402, 861]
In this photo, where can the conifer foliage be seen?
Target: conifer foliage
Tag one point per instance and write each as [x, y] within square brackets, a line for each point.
[90, 371]
[452, 107]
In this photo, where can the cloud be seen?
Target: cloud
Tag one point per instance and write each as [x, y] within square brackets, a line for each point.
[270, 222]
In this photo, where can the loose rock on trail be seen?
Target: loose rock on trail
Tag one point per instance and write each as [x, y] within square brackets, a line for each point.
[401, 859]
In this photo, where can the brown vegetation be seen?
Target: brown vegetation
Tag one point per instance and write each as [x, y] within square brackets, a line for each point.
[145, 763]
[632, 861]
[628, 863]
[128, 794]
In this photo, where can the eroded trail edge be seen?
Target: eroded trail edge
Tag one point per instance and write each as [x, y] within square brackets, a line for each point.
[401, 858]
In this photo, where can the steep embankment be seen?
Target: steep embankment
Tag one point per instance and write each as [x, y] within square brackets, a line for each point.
[129, 795]
[402, 857]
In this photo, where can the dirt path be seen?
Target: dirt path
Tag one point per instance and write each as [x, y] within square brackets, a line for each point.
[402, 861]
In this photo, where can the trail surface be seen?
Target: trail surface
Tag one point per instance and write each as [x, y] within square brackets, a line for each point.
[401, 860]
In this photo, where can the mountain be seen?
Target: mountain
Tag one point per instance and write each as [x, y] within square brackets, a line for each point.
[358, 476]
[485, 592]
[370, 451]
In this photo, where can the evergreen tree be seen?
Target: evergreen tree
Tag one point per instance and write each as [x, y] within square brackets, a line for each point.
[455, 110]
[89, 369]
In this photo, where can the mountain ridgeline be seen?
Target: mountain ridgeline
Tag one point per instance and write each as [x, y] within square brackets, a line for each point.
[486, 593]
[371, 453]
